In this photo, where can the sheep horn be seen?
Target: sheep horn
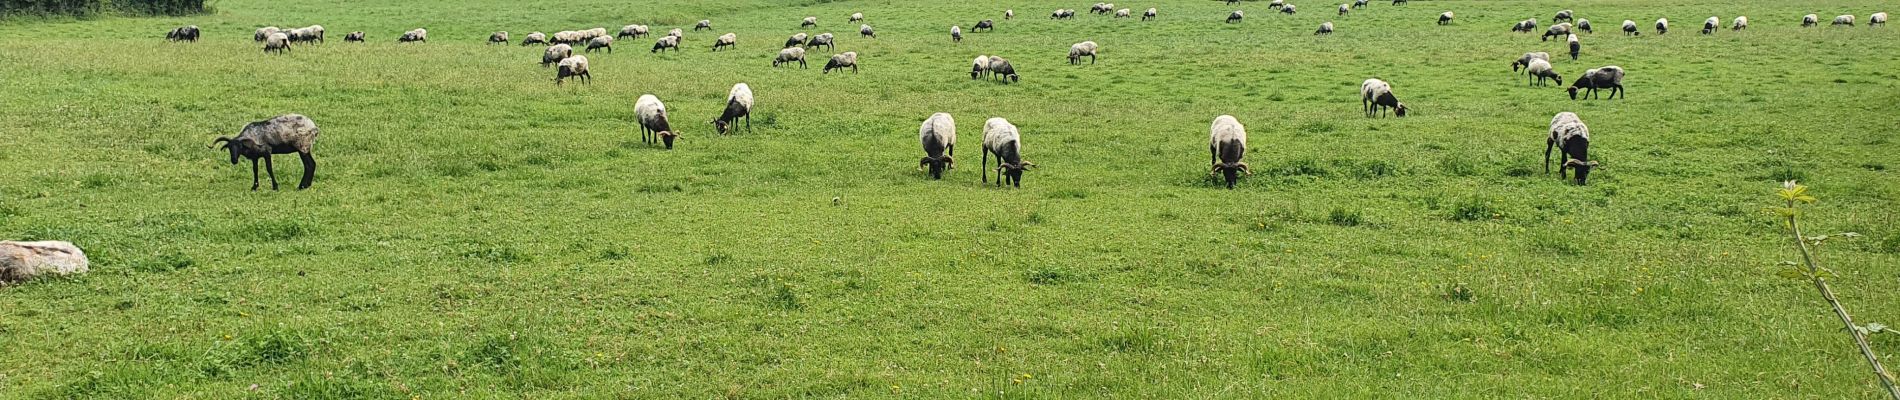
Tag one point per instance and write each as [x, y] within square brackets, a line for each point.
[224, 139]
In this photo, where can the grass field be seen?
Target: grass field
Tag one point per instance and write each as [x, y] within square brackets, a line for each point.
[476, 231]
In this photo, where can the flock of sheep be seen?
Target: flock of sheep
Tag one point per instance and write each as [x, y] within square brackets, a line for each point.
[1002, 140]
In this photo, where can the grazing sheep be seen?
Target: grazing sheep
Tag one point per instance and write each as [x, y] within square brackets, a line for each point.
[278, 42]
[1569, 135]
[1096, 9]
[1662, 26]
[1709, 26]
[1002, 69]
[1558, 31]
[1584, 25]
[666, 42]
[1879, 18]
[1288, 9]
[1847, 19]
[1740, 23]
[984, 25]
[703, 24]
[1234, 17]
[797, 39]
[1344, 8]
[1445, 19]
[555, 54]
[1078, 50]
[1562, 16]
[865, 31]
[676, 32]
[956, 34]
[653, 124]
[738, 105]
[1609, 77]
[1398, 2]
[590, 34]
[727, 40]
[1629, 28]
[1324, 29]
[979, 66]
[824, 40]
[535, 38]
[1009, 14]
[1276, 4]
[354, 37]
[500, 37]
[635, 31]
[418, 35]
[841, 60]
[264, 33]
[601, 42]
[1360, 3]
[1541, 70]
[284, 134]
[567, 37]
[1122, 13]
[1149, 14]
[1575, 48]
[808, 22]
[183, 34]
[1526, 59]
[1226, 144]
[939, 136]
[789, 55]
[1377, 95]
[313, 33]
[1519, 26]
[856, 17]
[1059, 14]
[574, 67]
[1002, 139]
[1810, 20]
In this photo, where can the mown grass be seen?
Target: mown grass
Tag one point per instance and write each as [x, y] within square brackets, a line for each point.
[476, 231]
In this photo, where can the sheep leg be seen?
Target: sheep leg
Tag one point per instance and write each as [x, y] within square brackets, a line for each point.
[309, 170]
[748, 121]
[253, 174]
[1548, 144]
[986, 165]
[272, 171]
[1618, 90]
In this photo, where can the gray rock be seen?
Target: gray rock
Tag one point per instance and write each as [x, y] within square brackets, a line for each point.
[21, 261]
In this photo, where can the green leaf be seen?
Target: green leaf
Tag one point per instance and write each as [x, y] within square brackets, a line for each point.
[1877, 327]
[1792, 273]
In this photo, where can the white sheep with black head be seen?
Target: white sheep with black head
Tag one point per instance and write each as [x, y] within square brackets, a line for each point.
[635, 31]
[555, 54]
[573, 67]
[1541, 70]
[1086, 48]
[499, 37]
[703, 24]
[1608, 77]
[1002, 140]
[1376, 95]
[535, 38]
[1569, 135]
[727, 40]
[1810, 20]
[841, 61]
[939, 136]
[284, 134]
[738, 105]
[788, 55]
[1629, 28]
[654, 126]
[1226, 145]
[601, 42]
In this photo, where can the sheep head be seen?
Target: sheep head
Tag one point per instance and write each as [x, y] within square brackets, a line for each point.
[1014, 172]
[1559, 78]
[1583, 169]
[937, 165]
[1400, 110]
[720, 125]
[667, 138]
[1572, 90]
[1231, 171]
